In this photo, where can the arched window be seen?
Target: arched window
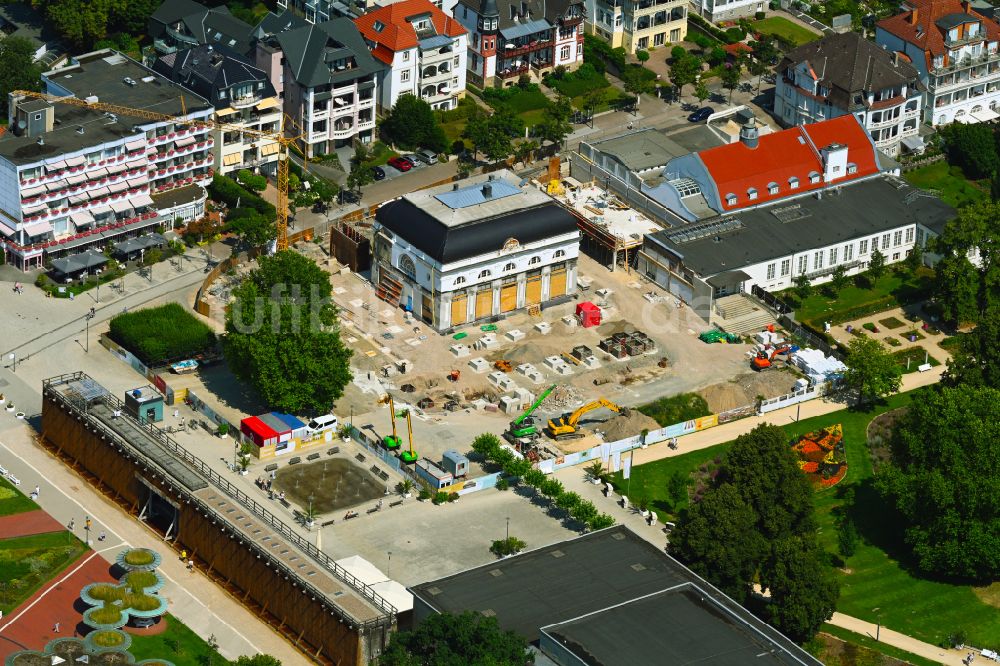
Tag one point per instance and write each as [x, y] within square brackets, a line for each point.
[510, 266]
[460, 280]
[407, 267]
[534, 260]
[559, 253]
[484, 274]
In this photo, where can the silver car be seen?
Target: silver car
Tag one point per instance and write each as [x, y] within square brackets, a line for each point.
[427, 156]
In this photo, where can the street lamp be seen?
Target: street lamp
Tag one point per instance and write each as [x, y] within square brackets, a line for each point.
[87, 317]
[508, 528]
[878, 622]
[388, 571]
[13, 357]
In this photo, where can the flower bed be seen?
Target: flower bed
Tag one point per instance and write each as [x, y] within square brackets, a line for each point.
[108, 638]
[822, 457]
[138, 559]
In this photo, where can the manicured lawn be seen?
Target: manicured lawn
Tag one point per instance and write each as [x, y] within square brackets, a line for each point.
[916, 356]
[524, 100]
[948, 181]
[177, 644]
[891, 322]
[13, 500]
[650, 480]
[777, 26]
[580, 82]
[26, 563]
[878, 575]
[609, 96]
[896, 287]
[380, 154]
[862, 651]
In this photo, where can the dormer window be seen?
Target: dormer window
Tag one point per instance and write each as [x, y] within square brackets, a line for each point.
[772, 188]
[813, 177]
[852, 168]
[460, 280]
[379, 26]
[484, 274]
[793, 183]
[509, 266]
[752, 193]
[731, 199]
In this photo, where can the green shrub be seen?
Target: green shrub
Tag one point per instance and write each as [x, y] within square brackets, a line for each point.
[107, 638]
[676, 409]
[139, 557]
[156, 335]
[440, 497]
[140, 580]
[251, 181]
[868, 326]
[231, 193]
[106, 615]
[583, 80]
[700, 39]
[734, 35]
[502, 484]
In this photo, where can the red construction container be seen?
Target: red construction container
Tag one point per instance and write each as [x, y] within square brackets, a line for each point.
[588, 314]
[258, 432]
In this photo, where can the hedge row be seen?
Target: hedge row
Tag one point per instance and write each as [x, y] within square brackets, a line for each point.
[730, 36]
[231, 193]
[157, 335]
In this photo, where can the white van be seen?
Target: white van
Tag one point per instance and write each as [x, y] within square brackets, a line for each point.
[322, 424]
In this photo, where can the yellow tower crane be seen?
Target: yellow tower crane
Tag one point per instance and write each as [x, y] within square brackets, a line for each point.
[281, 139]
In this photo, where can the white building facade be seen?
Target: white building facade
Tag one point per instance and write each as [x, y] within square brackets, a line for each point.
[729, 10]
[638, 25]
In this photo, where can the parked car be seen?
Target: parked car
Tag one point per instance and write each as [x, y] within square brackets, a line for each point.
[400, 164]
[378, 173]
[427, 156]
[412, 159]
[701, 114]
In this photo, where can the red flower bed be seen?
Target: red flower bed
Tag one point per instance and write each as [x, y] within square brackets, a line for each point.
[822, 457]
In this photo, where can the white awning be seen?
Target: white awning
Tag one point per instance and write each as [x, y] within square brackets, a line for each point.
[76, 178]
[135, 164]
[116, 168]
[98, 193]
[135, 145]
[97, 173]
[32, 191]
[56, 185]
[38, 228]
[965, 119]
[395, 593]
[82, 218]
[5, 230]
[985, 115]
[184, 141]
[120, 186]
[57, 165]
[100, 210]
[138, 181]
[142, 200]
[79, 198]
[121, 206]
[75, 161]
[36, 208]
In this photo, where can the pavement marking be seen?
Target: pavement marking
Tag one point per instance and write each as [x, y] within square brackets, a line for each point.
[51, 587]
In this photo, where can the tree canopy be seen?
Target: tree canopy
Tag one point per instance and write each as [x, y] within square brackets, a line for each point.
[555, 126]
[84, 22]
[282, 335]
[976, 362]
[469, 639]
[17, 68]
[962, 289]
[492, 135]
[253, 228]
[943, 480]
[411, 124]
[684, 70]
[257, 660]
[761, 495]
[872, 372]
[972, 147]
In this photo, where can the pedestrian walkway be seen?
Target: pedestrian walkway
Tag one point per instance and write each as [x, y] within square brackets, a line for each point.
[27, 523]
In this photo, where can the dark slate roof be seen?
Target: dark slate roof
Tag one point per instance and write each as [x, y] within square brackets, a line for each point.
[272, 24]
[208, 69]
[848, 64]
[308, 49]
[862, 209]
[949, 21]
[550, 10]
[599, 572]
[216, 25]
[446, 243]
[172, 11]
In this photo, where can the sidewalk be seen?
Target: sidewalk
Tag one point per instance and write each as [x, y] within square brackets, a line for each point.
[194, 599]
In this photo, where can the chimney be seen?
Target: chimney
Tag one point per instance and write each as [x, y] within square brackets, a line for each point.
[487, 191]
[895, 58]
[913, 16]
[749, 134]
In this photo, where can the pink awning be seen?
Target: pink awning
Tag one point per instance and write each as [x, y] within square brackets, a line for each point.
[120, 186]
[135, 164]
[99, 192]
[97, 173]
[135, 145]
[76, 178]
[121, 206]
[79, 198]
[38, 228]
[32, 191]
[82, 218]
[116, 168]
[184, 141]
[31, 210]
[75, 161]
[142, 200]
[138, 181]
[56, 166]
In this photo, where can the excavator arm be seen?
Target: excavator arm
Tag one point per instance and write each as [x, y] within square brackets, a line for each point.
[566, 426]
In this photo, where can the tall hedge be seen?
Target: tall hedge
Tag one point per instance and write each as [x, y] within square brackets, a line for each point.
[157, 335]
[231, 193]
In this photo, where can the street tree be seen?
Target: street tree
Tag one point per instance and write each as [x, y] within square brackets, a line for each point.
[803, 591]
[677, 489]
[914, 259]
[487, 445]
[701, 92]
[942, 477]
[257, 660]
[555, 125]
[839, 279]
[872, 372]
[290, 271]
[972, 232]
[412, 124]
[17, 68]
[361, 174]
[253, 228]
[642, 56]
[468, 639]
[972, 147]
[684, 71]
[524, 151]
[638, 82]
[876, 266]
[731, 78]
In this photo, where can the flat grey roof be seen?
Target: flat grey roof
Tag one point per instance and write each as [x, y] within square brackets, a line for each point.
[681, 625]
[591, 573]
[453, 208]
[645, 149]
[796, 225]
[64, 137]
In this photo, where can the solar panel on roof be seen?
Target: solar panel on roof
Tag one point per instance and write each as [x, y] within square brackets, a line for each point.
[696, 232]
[473, 195]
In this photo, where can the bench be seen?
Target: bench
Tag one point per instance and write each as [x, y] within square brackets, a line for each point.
[375, 470]
[312, 456]
[295, 460]
[327, 523]
[384, 476]
[285, 503]
[924, 367]
[271, 467]
[335, 450]
[396, 503]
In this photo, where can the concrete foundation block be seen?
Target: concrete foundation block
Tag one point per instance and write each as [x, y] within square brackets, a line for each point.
[570, 320]
[543, 327]
[488, 341]
[460, 351]
[479, 364]
[510, 404]
[515, 334]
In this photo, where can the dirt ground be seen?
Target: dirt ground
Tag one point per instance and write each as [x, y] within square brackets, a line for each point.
[745, 389]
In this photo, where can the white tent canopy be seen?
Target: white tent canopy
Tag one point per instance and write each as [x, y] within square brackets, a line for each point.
[362, 569]
[395, 594]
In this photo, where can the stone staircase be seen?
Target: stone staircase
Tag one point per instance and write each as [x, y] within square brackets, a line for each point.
[741, 315]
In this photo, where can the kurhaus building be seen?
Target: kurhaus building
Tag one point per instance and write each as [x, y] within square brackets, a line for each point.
[457, 254]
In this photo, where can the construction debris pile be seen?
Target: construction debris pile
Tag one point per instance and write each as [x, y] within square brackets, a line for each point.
[622, 345]
[621, 426]
[563, 397]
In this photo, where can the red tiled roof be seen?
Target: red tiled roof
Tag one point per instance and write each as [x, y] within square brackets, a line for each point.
[931, 40]
[735, 168]
[397, 33]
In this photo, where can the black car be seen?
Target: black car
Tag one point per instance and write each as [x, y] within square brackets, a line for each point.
[378, 173]
[319, 207]
[701, 114]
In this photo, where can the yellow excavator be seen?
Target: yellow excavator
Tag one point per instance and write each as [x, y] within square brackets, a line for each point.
[566, 426]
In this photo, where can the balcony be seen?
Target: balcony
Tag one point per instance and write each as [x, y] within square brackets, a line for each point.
[520, 48]
[967, 62]
[513, 72]
[245, 101]
[343, 130]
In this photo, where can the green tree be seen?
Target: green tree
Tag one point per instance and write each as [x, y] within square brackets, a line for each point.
[492, 135]
[412, 124]
[551, 488]
[257, 660]
[677, 489]
[684, 71]
[876, 266]
[701, 92]
[973, 232]
[17, 68]
[914, 259]
[872, 372]
[251, 181]
[838, 280]
[361, 173]
[976, 362]
[642, 55]
[282, 336]
[584, 512]
[486, 445]
[524, 151]
[469, 639]
[555, 126]
[567, 501]
[81, 22]
[731, 78]
[601, 521]
[638, 82]
[803, 592]
[803, 286]
[534, 478]
[972, 147]
[942, 479]
[252, 228]
[508, 546]
[847, 538]
[956, 289]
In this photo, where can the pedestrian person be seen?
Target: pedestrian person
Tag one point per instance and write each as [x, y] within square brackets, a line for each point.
[177, 413]
[184, 554]
[37, 491]
[72, 524]
[190, 565]
[102, 536]
[55, 628]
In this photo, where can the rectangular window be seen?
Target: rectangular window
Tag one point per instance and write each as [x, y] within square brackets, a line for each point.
[833, 256]
[909, 235]
[404, 76]
[848, 252]
[897, 238]
[675, 35]
[644, 43]
[895, 256]
[770, 271]
[406, 56]
[786, 265]
[659, 39]
[802, 264]
[564, 53]
[885, 241]
[817, 260]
